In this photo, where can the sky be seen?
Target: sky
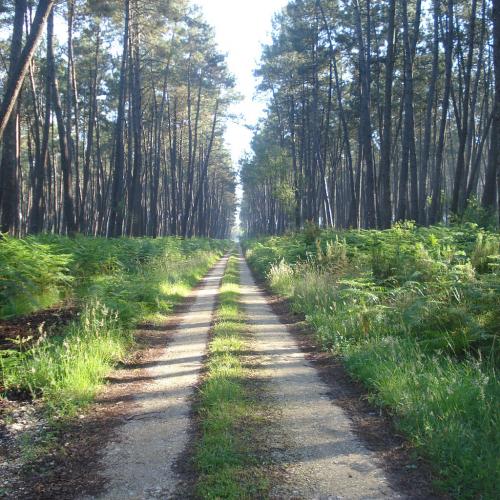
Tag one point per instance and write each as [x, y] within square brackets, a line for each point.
[241, 27]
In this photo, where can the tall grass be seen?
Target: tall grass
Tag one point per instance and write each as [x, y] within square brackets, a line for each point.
[118, 283]
[449, 409]
[415, 313]
[69, 369]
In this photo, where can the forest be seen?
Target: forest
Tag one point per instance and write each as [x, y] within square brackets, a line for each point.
[114, 124]
[318, 319]
[379, 112]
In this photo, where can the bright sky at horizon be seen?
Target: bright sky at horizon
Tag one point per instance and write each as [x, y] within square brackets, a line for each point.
[241, 27]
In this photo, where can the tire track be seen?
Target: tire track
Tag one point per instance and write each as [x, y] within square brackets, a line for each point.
[139, 461]
[322, 457]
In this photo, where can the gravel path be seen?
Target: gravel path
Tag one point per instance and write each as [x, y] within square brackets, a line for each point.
[323, 458]
[139, 461]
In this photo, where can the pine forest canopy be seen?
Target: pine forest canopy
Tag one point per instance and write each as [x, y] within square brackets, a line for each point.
[113, 116]
[112, 120]
[379, 111]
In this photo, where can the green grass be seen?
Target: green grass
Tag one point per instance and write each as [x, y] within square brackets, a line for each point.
[68, 370]
[225, 455]
[415, 314]
[117, 283]
[448, 409]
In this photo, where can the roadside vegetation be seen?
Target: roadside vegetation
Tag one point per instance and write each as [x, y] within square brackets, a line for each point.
[113, 284]
[225, 454]
[415, 314]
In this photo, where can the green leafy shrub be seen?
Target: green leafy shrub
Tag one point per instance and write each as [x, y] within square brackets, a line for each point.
[486, 252]
[38, 272]
[32, 276]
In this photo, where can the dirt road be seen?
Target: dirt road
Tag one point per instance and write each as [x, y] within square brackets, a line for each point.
[312, 439]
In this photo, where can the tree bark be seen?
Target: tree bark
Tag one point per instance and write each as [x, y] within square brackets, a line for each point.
[436, 204]
[385, 202]
[409, 157]
[490, 192]
[68, 201]
[422, 219]
[8, 165]
[365, 118]
[115, 226]
[135, 224]
[459, 184]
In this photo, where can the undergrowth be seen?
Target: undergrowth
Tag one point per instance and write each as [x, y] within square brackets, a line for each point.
[116, 283]
[415, 313]
[227, 406]
[40, 271]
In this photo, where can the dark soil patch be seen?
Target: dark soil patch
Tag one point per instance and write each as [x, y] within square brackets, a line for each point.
[411, 474]
[23, 331]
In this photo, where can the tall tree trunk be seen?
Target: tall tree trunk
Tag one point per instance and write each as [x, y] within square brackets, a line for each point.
[409, 157]
[365, 117]
[71, 99]
[90, 132]
[135, 222]
[158, 143]
[204, 165]
[459, 184]
[41, 146]
[385, 202]
[422, 219]
[16, 78]
[345, 131]
[189, 207]
[115, 227]
[68, 202]
[296, 179]
[8, 165]
[436, 205]
[173, 166]
[42, 160]
[490, 192]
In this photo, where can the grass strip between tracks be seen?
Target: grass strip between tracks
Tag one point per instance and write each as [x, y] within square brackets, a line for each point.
[225, 456]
